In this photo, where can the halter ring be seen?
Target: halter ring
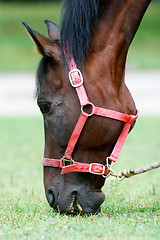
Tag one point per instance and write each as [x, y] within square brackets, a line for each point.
[85, 113]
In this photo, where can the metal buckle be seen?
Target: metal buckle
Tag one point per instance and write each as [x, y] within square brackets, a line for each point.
[64, 160]
[108, 165]
[85, 113]
[90, 169]
[110, 170]
[80, 75]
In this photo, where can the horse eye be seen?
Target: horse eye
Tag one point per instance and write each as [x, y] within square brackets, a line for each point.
[45, 107]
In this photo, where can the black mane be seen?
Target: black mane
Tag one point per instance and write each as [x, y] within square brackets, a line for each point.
[79, 20]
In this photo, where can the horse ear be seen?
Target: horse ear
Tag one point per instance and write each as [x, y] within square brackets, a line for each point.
[53, 30]
[45, 46]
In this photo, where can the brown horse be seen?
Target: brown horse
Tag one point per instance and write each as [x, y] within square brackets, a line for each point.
[98, 34]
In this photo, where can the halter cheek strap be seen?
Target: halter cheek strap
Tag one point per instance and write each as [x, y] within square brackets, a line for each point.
[66, 162]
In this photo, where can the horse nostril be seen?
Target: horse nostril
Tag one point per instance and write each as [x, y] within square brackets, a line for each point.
[51, 196]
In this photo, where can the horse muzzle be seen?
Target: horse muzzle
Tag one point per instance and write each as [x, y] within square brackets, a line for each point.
[76, 200]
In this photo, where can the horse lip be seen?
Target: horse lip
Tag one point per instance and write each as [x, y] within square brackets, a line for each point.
[90, 211]
[74, 208]
[91, 208]
[87, 209]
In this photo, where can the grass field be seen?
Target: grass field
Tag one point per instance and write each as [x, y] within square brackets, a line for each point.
[131, 209]
[16, 49]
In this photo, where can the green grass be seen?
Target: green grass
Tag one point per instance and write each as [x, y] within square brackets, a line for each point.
[131, 209]
[16, 49]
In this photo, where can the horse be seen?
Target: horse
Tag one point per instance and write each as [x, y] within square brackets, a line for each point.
[83, 66]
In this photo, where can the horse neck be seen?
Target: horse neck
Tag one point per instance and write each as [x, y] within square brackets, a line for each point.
[118, 22]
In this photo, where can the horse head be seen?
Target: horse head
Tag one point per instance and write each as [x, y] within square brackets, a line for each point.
[103, 72]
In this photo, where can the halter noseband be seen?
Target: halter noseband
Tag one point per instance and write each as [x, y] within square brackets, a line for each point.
[66, 162]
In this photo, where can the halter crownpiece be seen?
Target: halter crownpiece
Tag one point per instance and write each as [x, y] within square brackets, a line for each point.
[66, 162]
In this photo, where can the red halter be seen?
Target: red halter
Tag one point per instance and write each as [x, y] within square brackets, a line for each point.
[76, 80]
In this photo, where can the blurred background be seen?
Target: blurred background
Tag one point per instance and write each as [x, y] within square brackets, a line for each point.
[15, 47]
[16, 50]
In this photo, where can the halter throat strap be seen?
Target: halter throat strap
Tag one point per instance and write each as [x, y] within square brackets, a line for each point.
[66, 162]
